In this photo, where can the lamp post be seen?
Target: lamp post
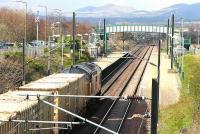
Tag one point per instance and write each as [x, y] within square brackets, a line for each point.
[24, 41]
[60, 33]
[62, 46]
[62, 61]
[59, 13]
[49, 47]
[45, 22]
[19, 1]
[37, 20]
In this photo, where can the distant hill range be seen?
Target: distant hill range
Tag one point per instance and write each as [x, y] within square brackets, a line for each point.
[125, 14]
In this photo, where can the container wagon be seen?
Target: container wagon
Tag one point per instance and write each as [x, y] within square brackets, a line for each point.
[14, 107]
[62, 84]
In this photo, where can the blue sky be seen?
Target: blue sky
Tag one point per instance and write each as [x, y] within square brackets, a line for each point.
[71, 5]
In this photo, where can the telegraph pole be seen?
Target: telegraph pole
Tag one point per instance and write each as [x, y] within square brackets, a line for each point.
[23, 60]
[172, 43]
[104, 33]
[167, 36]
[182, 45]
[198, 36]
[123, 38]
[74, 32]
[49, 56]
[45, 23]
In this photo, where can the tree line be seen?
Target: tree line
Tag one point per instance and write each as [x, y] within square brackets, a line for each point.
[12, 25]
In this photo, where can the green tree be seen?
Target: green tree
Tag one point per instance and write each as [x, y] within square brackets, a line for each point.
[11, 75]
[4, 34]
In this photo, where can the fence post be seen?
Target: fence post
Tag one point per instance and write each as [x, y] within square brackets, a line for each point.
[158, 79]
[154, 106]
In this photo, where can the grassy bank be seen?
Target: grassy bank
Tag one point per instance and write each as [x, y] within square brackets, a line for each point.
[181, 116]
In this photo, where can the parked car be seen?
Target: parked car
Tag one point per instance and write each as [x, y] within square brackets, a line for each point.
[5, 45]
[36, 43]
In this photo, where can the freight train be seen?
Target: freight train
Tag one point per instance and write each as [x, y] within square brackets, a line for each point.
[82, 79]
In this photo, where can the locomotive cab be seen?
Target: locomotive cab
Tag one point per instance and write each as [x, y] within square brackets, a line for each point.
[92, 73]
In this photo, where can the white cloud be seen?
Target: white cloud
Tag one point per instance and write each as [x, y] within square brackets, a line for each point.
[120, 2]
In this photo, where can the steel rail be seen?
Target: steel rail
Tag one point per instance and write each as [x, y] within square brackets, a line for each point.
[114, 103]
[126, 66]
[120, 64]
[131, 101]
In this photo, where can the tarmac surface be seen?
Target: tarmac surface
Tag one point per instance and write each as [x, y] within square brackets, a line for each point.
[169, 82]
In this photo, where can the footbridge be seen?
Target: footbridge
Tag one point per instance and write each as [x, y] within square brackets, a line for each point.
[138, 28]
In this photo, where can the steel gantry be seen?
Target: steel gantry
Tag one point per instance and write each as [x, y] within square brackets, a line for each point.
[137, 98]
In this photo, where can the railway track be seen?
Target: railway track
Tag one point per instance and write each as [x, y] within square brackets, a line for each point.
[108, 113]
[108, 81]
[122, 80]
[136, 109]
[117, 113]
[138, 113]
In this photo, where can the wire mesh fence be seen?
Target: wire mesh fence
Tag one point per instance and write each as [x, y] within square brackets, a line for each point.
[36, 51]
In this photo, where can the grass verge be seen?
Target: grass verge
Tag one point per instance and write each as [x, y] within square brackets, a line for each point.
[180, 117]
